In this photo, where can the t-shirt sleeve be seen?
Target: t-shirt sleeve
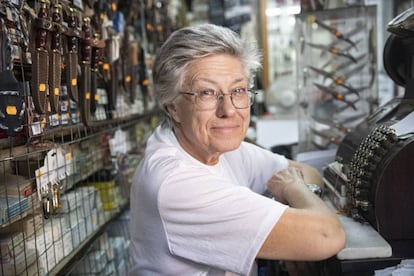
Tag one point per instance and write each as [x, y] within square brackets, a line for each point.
[256, 164]
[215, 222]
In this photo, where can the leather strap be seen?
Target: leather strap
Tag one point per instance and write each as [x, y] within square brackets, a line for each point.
[85, 81]
[98, 45]
[94, 81]
[44, 22]
[127, 67]
[5, 49]
[135, 68]
[112, 72]
[56, 58]
[40, 59]
[143, 77]
[71, 57]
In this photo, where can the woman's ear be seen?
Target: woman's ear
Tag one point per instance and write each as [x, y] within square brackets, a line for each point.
[172, 110]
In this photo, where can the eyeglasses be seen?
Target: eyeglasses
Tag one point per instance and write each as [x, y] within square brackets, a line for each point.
[206, 99]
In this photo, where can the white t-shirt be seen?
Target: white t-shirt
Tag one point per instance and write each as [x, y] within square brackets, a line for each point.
[188, 218]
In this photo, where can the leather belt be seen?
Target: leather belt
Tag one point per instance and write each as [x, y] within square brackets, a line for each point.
[85, 81]
[98, 45]
[127, 66]
[56, 58]
[94, 73]
[143, 78]
[71, 57]
[112, 72]
[40, 59]
[135, 69]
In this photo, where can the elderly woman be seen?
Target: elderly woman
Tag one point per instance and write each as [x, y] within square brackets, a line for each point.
[197, 204]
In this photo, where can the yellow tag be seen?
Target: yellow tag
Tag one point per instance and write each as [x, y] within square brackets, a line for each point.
[42, 87]
[74, 82]
[106, 66]
[43, 123]
[96, 97]
[56, 91]
[68, 156]
[311, 19]
[145, 82]
[88, 95]
[11, 110]
[128, 78]
[39, 173]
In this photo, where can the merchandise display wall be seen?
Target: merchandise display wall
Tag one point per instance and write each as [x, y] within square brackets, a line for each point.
[337, 73]
[76, 108]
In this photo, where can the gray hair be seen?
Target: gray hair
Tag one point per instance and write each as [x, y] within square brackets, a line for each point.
[189, 44]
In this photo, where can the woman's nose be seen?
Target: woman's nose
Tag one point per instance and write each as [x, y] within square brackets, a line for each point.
[225, 105]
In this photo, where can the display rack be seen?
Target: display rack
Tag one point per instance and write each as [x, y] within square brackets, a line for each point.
[337, 73]
[45, 236]
[76, 108]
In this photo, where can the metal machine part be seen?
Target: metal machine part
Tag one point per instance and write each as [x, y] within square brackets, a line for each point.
[372, 177]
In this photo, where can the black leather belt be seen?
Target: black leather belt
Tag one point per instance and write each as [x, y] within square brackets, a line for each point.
[85, 80]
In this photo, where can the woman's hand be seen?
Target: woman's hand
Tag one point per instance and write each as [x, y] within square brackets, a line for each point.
[290, 178]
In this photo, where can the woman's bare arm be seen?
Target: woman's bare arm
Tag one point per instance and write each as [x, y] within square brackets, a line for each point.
[309, 230]
[310, 174]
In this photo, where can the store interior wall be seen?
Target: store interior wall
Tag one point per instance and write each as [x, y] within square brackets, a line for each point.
[281, 94]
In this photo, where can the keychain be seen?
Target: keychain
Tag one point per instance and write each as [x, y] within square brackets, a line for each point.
[55, 197]
[50, 199]
[45, 202]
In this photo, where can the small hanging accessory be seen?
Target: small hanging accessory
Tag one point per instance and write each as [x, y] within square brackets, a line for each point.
[46, 202]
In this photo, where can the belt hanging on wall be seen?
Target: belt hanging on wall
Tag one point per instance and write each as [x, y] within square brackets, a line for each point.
[85, 80]
[55, 58]
[40, 59]
[98, 46]
[72, 35]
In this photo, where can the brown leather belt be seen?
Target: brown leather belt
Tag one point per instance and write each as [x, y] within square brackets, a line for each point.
[127, 67]
[56, 58]
[40, 59]
[135, 69]
[98, 45]
[143, 77]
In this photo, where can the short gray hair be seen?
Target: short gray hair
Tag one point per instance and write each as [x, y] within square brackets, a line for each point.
[192, 43]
